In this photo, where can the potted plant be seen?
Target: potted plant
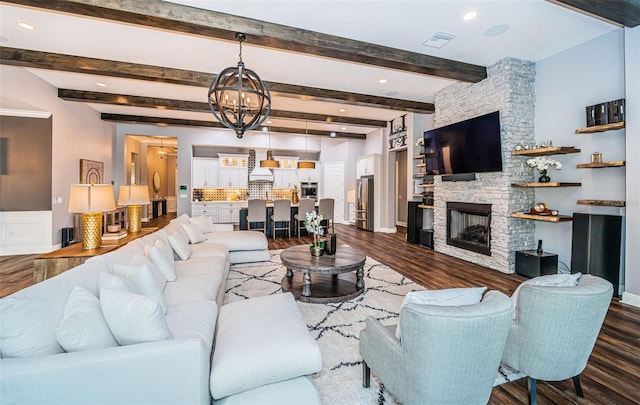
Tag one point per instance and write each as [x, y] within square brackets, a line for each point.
[313, 225]
[542, 164]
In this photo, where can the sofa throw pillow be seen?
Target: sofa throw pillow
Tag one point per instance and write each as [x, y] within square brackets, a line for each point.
[180, 246]
[447, 297]
[194, 233]
[203, 223]
[161, 262]
[167, 252]
[142, 260]
[143, 280]
[551, 280]
[83, 326]
[133, 318]
[108, 280]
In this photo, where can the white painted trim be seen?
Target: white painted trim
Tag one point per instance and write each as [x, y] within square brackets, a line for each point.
[25, 232]
[387, 230]
[631, 299]
[24, 113]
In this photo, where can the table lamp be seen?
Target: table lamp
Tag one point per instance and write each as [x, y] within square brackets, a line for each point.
[134, 197]
[91, 200]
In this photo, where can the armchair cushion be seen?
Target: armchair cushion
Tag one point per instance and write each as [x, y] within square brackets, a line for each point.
[446, 297]
[551, 280]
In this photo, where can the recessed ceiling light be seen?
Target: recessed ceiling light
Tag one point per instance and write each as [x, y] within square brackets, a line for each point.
[497, 30]
[382, 81]
[100, 84]
[268, 121]
[343, 129]
[26, 26]
[342, 110]
[333, 134]
[469, 15]
[438, 40]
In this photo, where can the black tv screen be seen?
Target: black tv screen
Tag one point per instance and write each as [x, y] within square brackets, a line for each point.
[471, 146]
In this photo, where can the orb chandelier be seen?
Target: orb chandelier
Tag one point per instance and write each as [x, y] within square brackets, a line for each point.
[238, 98]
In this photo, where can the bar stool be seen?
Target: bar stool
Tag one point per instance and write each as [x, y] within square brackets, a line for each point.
[305, 205]
[281, 213]
[257, 212]
[325, 208]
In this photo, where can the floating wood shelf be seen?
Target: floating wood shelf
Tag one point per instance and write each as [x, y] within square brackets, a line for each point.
[600, 128]
[419, 157]
[421, 165]
[546, 218]
[549, 184]
[553, 150]
[418, 195]
[425, 185]
[426, 207]
[602, 203]
[420, 175]
[617, 163]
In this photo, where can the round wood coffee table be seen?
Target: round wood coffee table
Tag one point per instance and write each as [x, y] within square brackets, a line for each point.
[323, 279]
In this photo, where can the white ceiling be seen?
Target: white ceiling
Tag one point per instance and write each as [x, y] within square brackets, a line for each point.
[536, 30]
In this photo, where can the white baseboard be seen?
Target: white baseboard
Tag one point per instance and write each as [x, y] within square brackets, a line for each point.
[631, 299]
[387, 230]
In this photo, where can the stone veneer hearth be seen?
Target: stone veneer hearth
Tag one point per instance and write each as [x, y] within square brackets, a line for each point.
[510, 89]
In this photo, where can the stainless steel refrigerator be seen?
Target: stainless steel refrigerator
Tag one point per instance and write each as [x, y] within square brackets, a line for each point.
[364, 203]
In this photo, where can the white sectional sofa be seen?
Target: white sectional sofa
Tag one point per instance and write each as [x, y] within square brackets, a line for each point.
[134, 326]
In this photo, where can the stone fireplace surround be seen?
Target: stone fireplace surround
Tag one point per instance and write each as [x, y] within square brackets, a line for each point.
[510, 89]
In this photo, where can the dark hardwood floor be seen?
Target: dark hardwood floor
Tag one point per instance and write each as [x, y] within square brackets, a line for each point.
[612, 375]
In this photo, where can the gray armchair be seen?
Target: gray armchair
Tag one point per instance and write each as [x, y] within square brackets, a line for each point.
[448, 355]
[556, 329]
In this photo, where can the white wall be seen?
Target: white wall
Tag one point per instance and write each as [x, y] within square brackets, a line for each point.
[78, 133]
[632, 67]
[565, 84]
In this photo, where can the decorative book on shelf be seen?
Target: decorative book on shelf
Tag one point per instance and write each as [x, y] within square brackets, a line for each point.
[114, 235]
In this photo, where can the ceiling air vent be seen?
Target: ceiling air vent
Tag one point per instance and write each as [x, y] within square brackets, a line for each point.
[438, 40]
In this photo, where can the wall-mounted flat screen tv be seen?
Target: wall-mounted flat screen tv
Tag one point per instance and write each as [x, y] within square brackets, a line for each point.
[471, 146]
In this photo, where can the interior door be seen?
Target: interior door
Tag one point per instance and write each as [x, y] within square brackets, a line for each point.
[334, 188]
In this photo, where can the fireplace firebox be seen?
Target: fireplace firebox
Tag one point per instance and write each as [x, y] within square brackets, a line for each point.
[469, 226]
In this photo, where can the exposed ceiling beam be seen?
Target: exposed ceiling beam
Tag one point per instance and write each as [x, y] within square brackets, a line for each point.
[624, 12]
[140, 119]
[85, 65]
[196, 106]
[212, 24]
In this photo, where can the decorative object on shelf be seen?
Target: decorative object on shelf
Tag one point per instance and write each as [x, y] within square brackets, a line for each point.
[313, 224]
[539, 251]
[542, 164]
[330, 244]
[91, 200]
[596, 157]
[238, 98]
[540, 207]
[420, 142]
[306, 164]
[134, 197]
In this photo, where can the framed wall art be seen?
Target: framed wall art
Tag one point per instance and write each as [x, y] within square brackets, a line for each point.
[91, 172]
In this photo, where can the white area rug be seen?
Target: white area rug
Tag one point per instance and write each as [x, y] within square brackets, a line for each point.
[337, 326]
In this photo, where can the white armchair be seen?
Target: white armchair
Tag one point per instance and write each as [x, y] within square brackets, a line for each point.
[556, 329]
[448, 354]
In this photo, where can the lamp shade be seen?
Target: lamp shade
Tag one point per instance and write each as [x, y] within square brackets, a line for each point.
[91, 198]
[133, 195]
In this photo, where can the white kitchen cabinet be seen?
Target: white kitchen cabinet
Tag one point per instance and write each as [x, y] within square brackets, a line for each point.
[309, 175]
[285, 178]
[204, 173]
[365, 166]
[233, 171]
[208, 209]
[229, 212]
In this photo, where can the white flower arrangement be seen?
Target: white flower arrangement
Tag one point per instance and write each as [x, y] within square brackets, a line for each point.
[420, 142]
[543, 163]
[313, 225]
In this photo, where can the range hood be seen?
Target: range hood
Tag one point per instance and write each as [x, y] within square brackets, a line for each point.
[260, 173]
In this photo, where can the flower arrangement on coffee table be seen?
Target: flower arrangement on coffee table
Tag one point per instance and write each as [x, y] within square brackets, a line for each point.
[542, 164]
[313, 224]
